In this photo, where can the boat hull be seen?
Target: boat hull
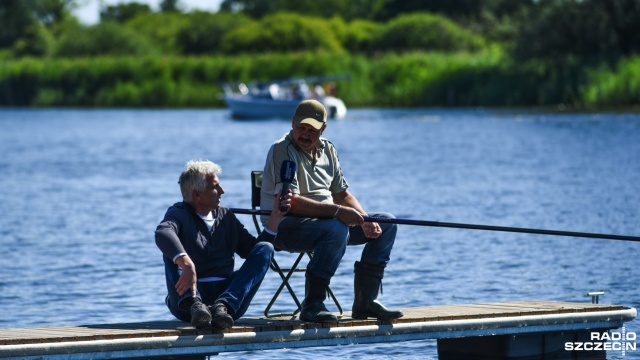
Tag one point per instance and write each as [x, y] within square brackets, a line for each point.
[249, 107]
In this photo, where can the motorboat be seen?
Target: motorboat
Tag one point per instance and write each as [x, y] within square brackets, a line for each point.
[279, 98]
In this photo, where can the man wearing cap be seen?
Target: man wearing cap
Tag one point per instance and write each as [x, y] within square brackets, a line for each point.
[334, 218]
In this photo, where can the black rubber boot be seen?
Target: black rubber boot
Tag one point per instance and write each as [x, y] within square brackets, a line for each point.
[313, 308]
[366, 284]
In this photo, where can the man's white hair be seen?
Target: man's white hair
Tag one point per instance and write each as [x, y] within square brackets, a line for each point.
[194, 177]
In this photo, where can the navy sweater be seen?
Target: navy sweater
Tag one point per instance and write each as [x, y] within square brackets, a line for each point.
[183, 231]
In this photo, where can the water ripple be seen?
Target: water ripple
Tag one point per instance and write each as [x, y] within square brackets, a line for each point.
[82, 192]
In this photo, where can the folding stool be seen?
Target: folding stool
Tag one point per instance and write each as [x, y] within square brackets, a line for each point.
[285, 273]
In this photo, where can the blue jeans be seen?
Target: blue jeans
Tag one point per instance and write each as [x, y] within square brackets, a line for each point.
[236, 291]
[328, 239]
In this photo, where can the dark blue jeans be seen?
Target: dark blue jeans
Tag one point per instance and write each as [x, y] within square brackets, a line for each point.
[237, 291]
[328, 239]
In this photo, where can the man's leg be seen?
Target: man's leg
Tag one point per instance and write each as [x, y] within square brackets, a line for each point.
[369, 271]
[247, 279]
[376, 251]
[328, 241]
[229, 299]
[185, 308]
[326, 238]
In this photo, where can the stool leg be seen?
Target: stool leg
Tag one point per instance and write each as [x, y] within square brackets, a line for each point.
[285, 282]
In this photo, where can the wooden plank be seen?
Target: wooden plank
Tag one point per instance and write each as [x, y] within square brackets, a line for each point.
[177, 328]
[148, 340]
[83, 333]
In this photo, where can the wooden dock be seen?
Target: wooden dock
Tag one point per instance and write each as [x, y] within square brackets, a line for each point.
[507, 330]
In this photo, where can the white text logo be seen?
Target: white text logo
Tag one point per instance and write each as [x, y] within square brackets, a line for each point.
[608, 341]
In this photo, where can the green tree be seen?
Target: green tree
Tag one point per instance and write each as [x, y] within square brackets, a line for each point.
[35, 41]
[162, 29]
[16, 16]
[357, 35]
[425, 31]
[204, 31]
[108, 38]
[282, 32]
[625, 22]
[51, 12]
[170, 6]
[587, 29]
[27, 25]
[354, 9]
[123, 12]
[254, 8]
[454, 9]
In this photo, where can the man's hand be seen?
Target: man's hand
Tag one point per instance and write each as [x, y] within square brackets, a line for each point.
[371, 229]
[282, 202]
[276, 213]
[188, 279]
[350, 216]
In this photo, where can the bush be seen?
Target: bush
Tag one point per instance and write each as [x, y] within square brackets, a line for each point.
[36, 41]
[355, 36]
[282, 32]
[204, 31]
[425, 32]
[123, 12]
[103, 39]
[486, 78]
[161, 29]
[602, 30]
[15, 17]
[614, 87]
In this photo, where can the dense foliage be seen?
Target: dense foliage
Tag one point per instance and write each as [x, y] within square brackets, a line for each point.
[425, 31]
[589, 29]
[398, 52]
[107, 38]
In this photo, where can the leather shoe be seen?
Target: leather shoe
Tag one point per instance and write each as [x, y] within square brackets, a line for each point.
[200, 315]
[220, 318]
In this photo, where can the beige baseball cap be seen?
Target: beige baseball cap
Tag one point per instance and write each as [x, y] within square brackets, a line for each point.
[311, 112]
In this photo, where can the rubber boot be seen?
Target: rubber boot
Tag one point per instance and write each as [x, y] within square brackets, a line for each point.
[313, 308]
[367, 282]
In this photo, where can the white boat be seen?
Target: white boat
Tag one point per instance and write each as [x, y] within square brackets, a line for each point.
[279, 98]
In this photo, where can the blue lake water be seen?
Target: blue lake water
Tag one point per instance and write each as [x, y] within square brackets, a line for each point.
[81, 192]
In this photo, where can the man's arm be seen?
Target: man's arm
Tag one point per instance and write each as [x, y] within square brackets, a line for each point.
[270, 230]
[301, 205]
[189, 278]
[350, 202]
[345, 198]
[304, 206]
[169, 243]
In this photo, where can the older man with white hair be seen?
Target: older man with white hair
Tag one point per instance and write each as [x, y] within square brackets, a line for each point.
[199, 238]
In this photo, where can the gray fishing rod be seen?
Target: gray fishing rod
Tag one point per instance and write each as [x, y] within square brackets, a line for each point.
[468, 226]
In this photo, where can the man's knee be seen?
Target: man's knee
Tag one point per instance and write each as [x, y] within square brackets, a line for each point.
[336, 231]
[333, 242]
[386, 227]
[263, 249]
